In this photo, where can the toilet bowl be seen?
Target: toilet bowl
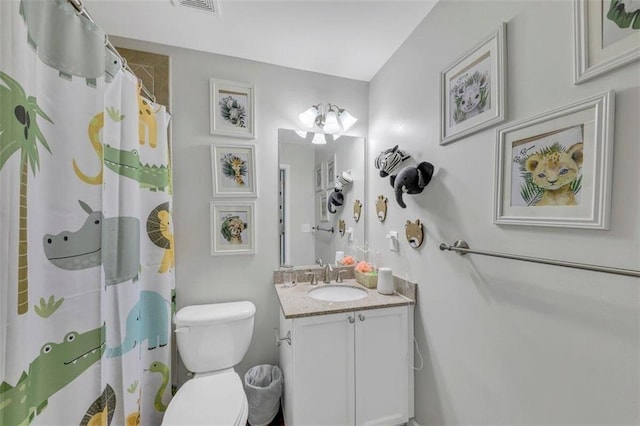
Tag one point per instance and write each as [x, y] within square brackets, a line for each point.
[209, 399]
[211, 340]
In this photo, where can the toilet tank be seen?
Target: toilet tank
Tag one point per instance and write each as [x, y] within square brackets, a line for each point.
[215, 336]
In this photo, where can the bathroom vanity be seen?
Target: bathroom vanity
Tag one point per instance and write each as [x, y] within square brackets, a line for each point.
[346, 362]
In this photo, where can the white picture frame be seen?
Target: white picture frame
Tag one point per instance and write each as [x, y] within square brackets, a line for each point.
[472, 89]
[600, 45]
[331, 174]
[233, 228]
[318, 178]
[232, 108]
[322, 206]
[233, 170]
[525, 147]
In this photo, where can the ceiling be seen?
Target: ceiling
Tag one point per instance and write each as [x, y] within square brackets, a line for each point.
[346, 38]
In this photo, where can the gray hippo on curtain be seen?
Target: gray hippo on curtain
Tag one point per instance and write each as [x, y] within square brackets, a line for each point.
[113, 242]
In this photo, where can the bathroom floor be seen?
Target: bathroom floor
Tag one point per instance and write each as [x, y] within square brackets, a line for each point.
[277, 421]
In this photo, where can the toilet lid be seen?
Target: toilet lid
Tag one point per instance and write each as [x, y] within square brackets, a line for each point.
[216, 399]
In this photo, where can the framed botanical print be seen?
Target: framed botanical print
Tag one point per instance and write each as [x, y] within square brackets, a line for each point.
[554, 169]
[233, 170]
[232, 109]
[606, 36]
[472, 90]
[233, 228]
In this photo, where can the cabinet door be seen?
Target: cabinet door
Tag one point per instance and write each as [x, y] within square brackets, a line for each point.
[285, 353]
[323, 352]
[382, 357]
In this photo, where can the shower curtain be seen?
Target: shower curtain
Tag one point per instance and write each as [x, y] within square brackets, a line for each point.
[86, 236]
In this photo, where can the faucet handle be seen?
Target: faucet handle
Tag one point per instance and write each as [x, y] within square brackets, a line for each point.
[312, 279]
[339, 279]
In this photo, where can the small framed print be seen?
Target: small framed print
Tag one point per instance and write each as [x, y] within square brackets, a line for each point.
[472, 90]
[233, 170]
[232, 109]
[233, 228]
[322, 208]
[555, 168]
[606, 36]
[331, 173]
[319, 177]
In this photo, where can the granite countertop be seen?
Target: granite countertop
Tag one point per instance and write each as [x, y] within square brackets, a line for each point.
[295, 303]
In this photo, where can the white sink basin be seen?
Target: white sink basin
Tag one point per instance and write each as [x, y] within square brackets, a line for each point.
[338, 293]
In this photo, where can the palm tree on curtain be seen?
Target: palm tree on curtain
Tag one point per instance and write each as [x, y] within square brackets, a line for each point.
[19, 131]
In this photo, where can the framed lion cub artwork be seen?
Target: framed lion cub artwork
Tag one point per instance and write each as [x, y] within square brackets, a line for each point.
[233, 228]
[554, 169]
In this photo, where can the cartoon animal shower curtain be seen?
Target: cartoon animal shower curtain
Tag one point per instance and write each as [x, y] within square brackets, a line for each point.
[86, 240]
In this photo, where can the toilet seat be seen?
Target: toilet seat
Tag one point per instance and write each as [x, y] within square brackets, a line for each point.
[209, 399]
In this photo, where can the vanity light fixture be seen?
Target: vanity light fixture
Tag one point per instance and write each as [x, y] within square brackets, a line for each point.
[317, 138]
[327, 118]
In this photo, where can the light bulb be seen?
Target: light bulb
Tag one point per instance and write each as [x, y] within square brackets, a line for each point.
[308, 117]
[331, 124]
[347, 120]
[319, 139]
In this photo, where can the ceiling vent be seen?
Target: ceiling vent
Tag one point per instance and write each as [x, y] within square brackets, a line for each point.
[210, 6]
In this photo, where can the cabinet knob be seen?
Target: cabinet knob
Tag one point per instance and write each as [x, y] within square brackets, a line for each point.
[351, 319]
[362, 317]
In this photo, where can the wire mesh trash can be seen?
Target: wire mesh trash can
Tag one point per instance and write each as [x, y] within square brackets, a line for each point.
[263, 386]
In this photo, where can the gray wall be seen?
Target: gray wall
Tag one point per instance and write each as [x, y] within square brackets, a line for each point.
[507, 342]
[280, 95]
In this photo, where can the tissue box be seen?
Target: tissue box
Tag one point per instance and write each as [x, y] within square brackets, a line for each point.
[369, 280]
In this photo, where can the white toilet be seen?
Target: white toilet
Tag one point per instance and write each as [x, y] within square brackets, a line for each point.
[212, 339]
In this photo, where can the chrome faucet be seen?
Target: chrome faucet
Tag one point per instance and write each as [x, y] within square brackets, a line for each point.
[327, 273]
[312, 278]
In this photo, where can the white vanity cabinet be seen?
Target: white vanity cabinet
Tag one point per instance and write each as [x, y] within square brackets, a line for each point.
[353, 368]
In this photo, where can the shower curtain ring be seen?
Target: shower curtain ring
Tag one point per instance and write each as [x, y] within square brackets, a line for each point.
[80, 9]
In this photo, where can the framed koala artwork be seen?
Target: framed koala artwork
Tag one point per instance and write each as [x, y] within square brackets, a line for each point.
[555, 169]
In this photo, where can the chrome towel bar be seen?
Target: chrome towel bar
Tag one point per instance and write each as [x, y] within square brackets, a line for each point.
[322, 229]
[462, 248]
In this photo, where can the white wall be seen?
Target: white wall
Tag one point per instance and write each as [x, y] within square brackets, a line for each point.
[508, 342]
[280, 95]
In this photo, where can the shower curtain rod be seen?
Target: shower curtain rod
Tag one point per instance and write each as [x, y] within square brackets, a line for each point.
[462, 248]
[79, 7]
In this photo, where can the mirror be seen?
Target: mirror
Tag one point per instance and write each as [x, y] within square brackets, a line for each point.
[307, 180]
